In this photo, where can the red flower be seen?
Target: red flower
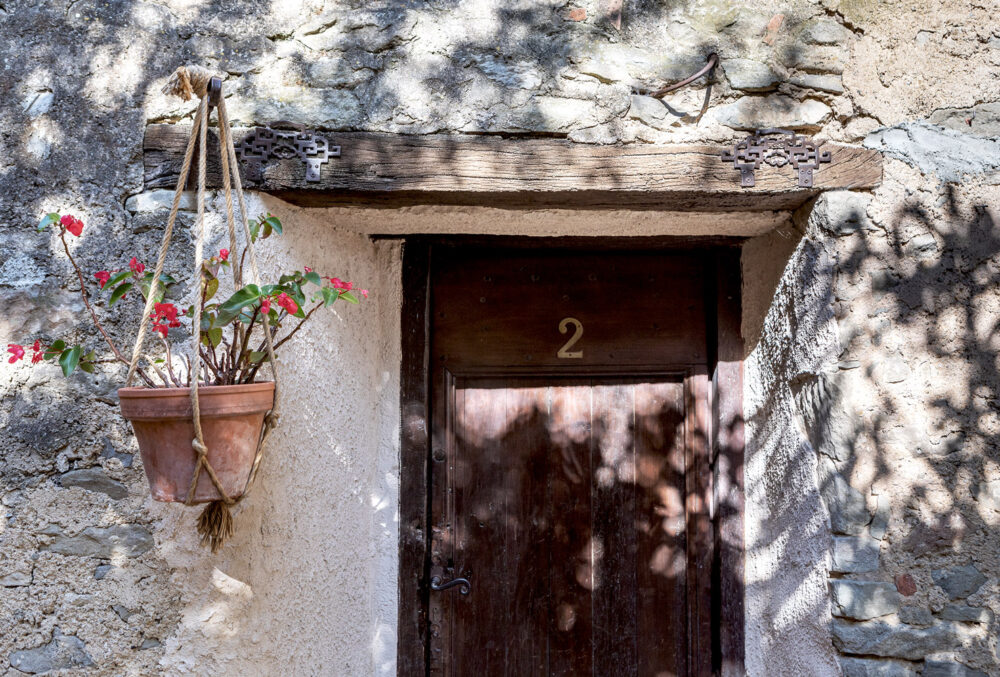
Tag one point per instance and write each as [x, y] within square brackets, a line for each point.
[37, 357]
[72, 224]
[287, 302]
[223, 254]
[16, 352]
[307, 269]
[102, 276]
[364, 292]
[36, 346]
[164, 316]
[340, 284]
[136, 267]
[265, 306]
[38, 352]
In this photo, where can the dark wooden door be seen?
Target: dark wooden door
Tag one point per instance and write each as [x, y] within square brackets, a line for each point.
[569, 473]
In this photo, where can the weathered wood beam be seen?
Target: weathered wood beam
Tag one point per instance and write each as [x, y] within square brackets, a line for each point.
[393, 170]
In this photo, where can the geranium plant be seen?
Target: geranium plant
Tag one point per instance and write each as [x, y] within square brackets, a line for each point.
[232, 347]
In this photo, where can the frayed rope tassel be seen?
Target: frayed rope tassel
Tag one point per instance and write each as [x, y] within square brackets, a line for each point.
[215, 524]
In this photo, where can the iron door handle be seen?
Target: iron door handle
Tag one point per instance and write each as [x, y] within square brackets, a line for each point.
[465, 588]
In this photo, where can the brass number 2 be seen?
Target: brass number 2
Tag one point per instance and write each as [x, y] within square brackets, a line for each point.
[565, 352]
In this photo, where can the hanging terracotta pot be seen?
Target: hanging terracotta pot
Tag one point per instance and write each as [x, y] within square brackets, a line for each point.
[232, 419]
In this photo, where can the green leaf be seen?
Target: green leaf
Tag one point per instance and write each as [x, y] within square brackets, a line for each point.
[254, 229]
[56, 348]
[207, 320]
[119, 292]
[214, 336]
[144, 283]
[87, 367]
[89, 357]
[69, 359]
[117, 277]
[48, 220]
[313, 276]
[273, 222]
[329, 296]
[232, 306]
[348, 296]
[211, 287]
[256, 357]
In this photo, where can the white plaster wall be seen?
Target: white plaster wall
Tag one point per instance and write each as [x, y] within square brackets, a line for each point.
[790, 330]
[307, 586]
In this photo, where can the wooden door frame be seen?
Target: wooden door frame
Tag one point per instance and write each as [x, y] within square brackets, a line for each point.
[723, 306]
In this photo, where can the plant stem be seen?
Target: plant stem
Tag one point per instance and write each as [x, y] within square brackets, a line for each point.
[170, 366]
[93, 315]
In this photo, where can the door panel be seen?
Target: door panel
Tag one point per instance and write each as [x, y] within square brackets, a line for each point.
[568, 483]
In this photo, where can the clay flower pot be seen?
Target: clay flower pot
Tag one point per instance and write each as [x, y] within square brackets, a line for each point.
[232, 418]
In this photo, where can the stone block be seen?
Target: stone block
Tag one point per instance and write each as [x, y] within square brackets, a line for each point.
[823, 83]
[988, 495]
[38, 103]
[864, 600]
[880, 520]
[982, 120]
[905, 584]
[825, 32]
[62, 653]
[916, 615]
[847, 506]
[934, 667]
[842, 212]
[15, 579]
[816, 59]
[854, 554]
[755, 112]
[892, 370]
[874, 667]
[959, 582]
[130, 540]
[945, 153]
[155, 200]
[93, 479]
[649, 111]
[965, 614]
[749, 75]
[605, 71]
[895, 640]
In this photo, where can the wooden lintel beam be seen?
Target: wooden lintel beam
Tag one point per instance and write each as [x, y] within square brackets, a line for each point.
[394, 170]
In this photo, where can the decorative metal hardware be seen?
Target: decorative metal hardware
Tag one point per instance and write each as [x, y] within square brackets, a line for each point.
[465, 588]
[269, 142]
[776, 147]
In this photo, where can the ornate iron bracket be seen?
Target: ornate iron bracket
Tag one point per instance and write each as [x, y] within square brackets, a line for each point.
[270, 142]
[776, 147]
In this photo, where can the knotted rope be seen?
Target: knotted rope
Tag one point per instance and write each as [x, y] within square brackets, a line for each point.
[215, 524]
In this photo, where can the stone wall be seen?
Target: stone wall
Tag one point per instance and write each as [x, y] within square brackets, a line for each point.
[873, 469]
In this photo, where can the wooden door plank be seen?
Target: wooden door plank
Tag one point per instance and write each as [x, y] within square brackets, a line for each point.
[525, 559]
[570, 555]
[395, 169]
[614, 541]
[700, 537]
[662, 557]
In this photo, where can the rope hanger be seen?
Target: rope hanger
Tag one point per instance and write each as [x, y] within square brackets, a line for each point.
[215, 524]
